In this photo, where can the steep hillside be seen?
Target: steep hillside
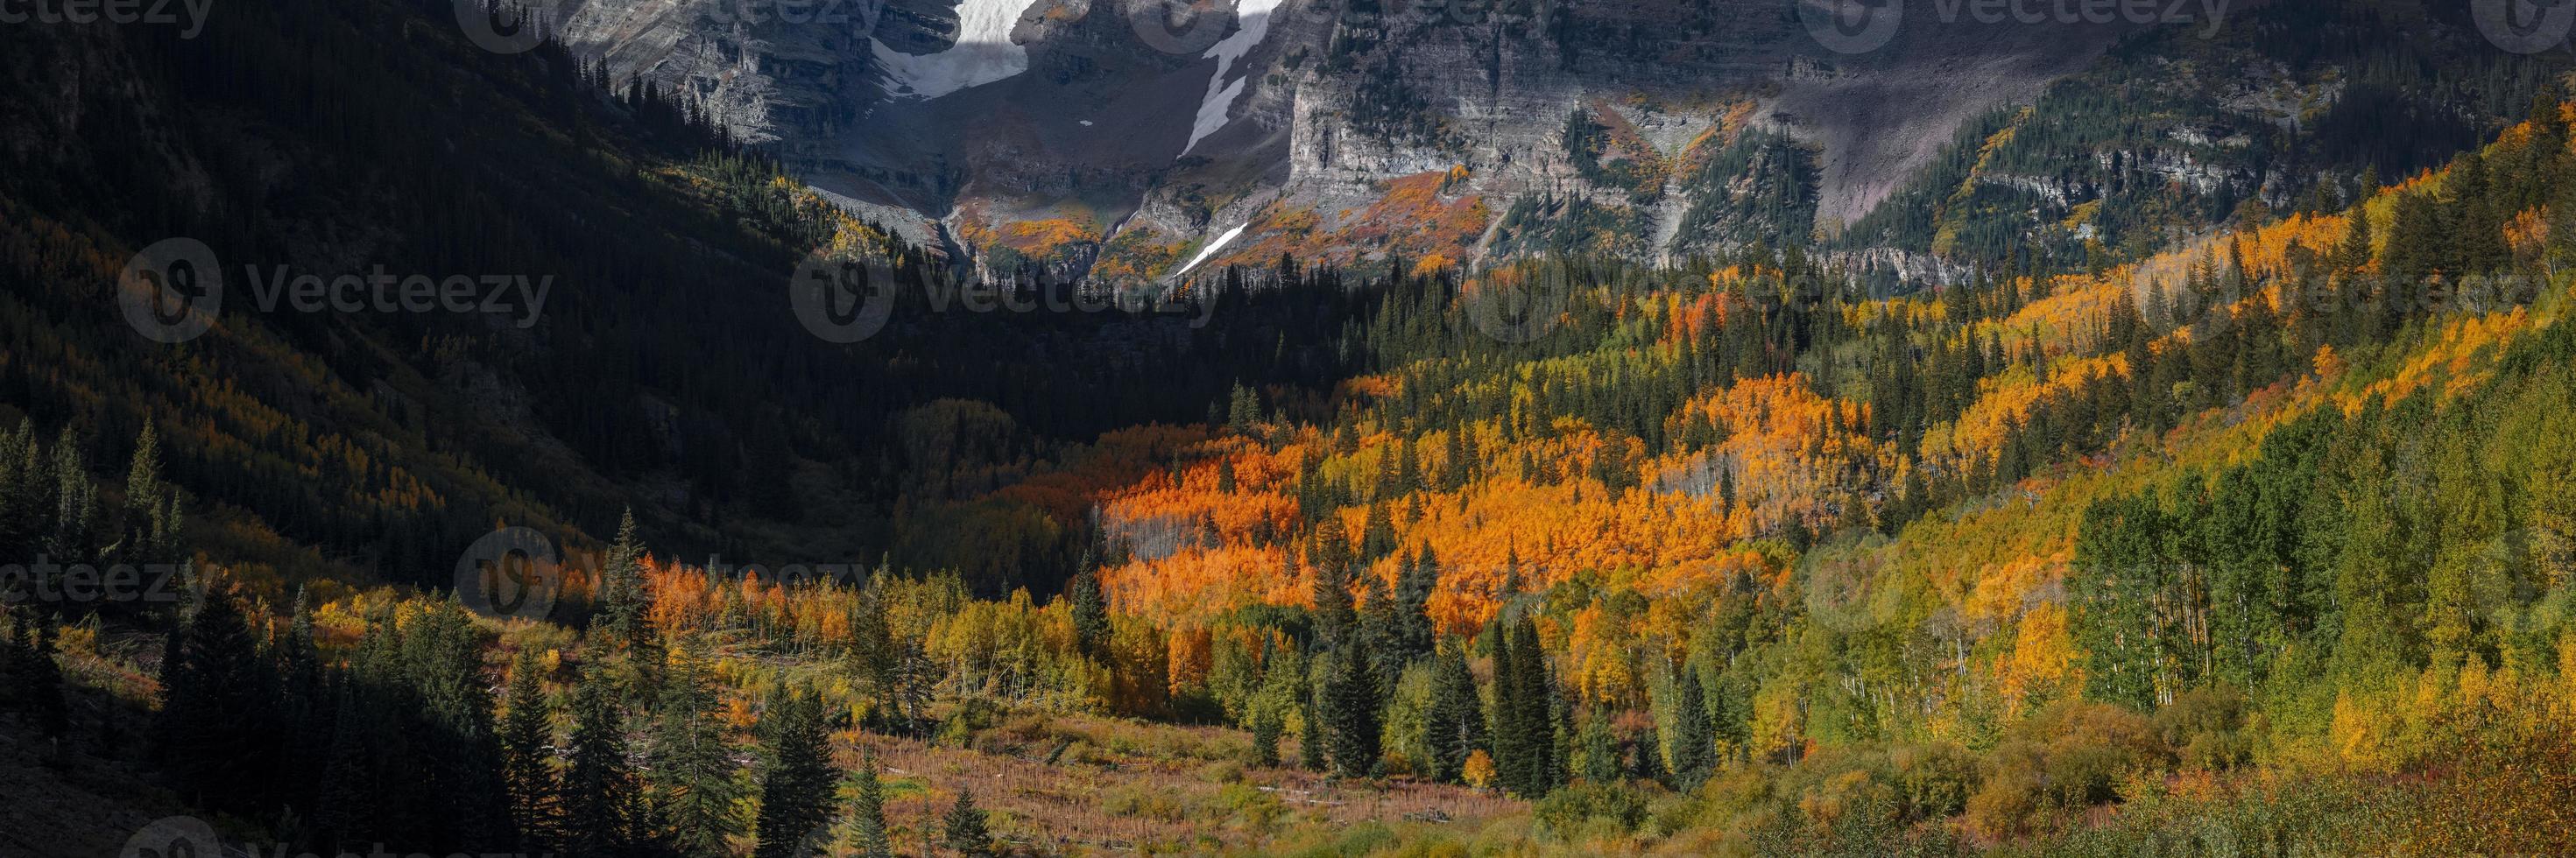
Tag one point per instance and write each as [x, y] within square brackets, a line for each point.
[2205, 514]
[2264, 539]
[640, 349]
[1135, 139]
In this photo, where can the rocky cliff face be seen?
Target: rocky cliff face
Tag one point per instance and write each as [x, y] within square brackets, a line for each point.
[1123, 137]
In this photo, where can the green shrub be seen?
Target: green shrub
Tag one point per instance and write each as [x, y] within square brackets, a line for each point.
[1568, 810]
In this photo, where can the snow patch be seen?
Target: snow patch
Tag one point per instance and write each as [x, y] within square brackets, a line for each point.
[1210, 250]
[1252, 21]
[983, 53]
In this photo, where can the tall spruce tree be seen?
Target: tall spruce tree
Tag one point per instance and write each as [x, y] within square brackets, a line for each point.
[1330, 559]
[527, 767]
[1090, 615]
[964, 829]
[214, 703]
[1457, 728]
[345, 799]
[1310, 730]
[457, 755]
[1646, 755]
[76, 536]
[1528, 703]
[603, 807]
[1693, 757]
[868, 833]
[1351, 698]
[625, 602]
[1730, 717]
[694, 786]
[1414, 634]
[796, 792]
[1265, 735]
[1511, 729]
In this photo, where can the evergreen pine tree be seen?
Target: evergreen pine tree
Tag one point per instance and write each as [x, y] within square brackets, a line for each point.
[527, 768]
[345, 799]
[1511, 730]
[1090, 615]
[1243, 409]
[143, 488]
[1310, 734]
[1265, 735]
[1599, 750]
[1646, 755]
[695, 791]
[796, 793]
[214, 702]
[1377, 532]
[1457, 715]
[460, 773]
[1532, 706]
[75, 537]
[868, 834]
[625, 602]
[1693, 756]
[1331, 562]
[602, 805]
[1352, 695]
[964, 830]
[1730, 717]
[1413, 634]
